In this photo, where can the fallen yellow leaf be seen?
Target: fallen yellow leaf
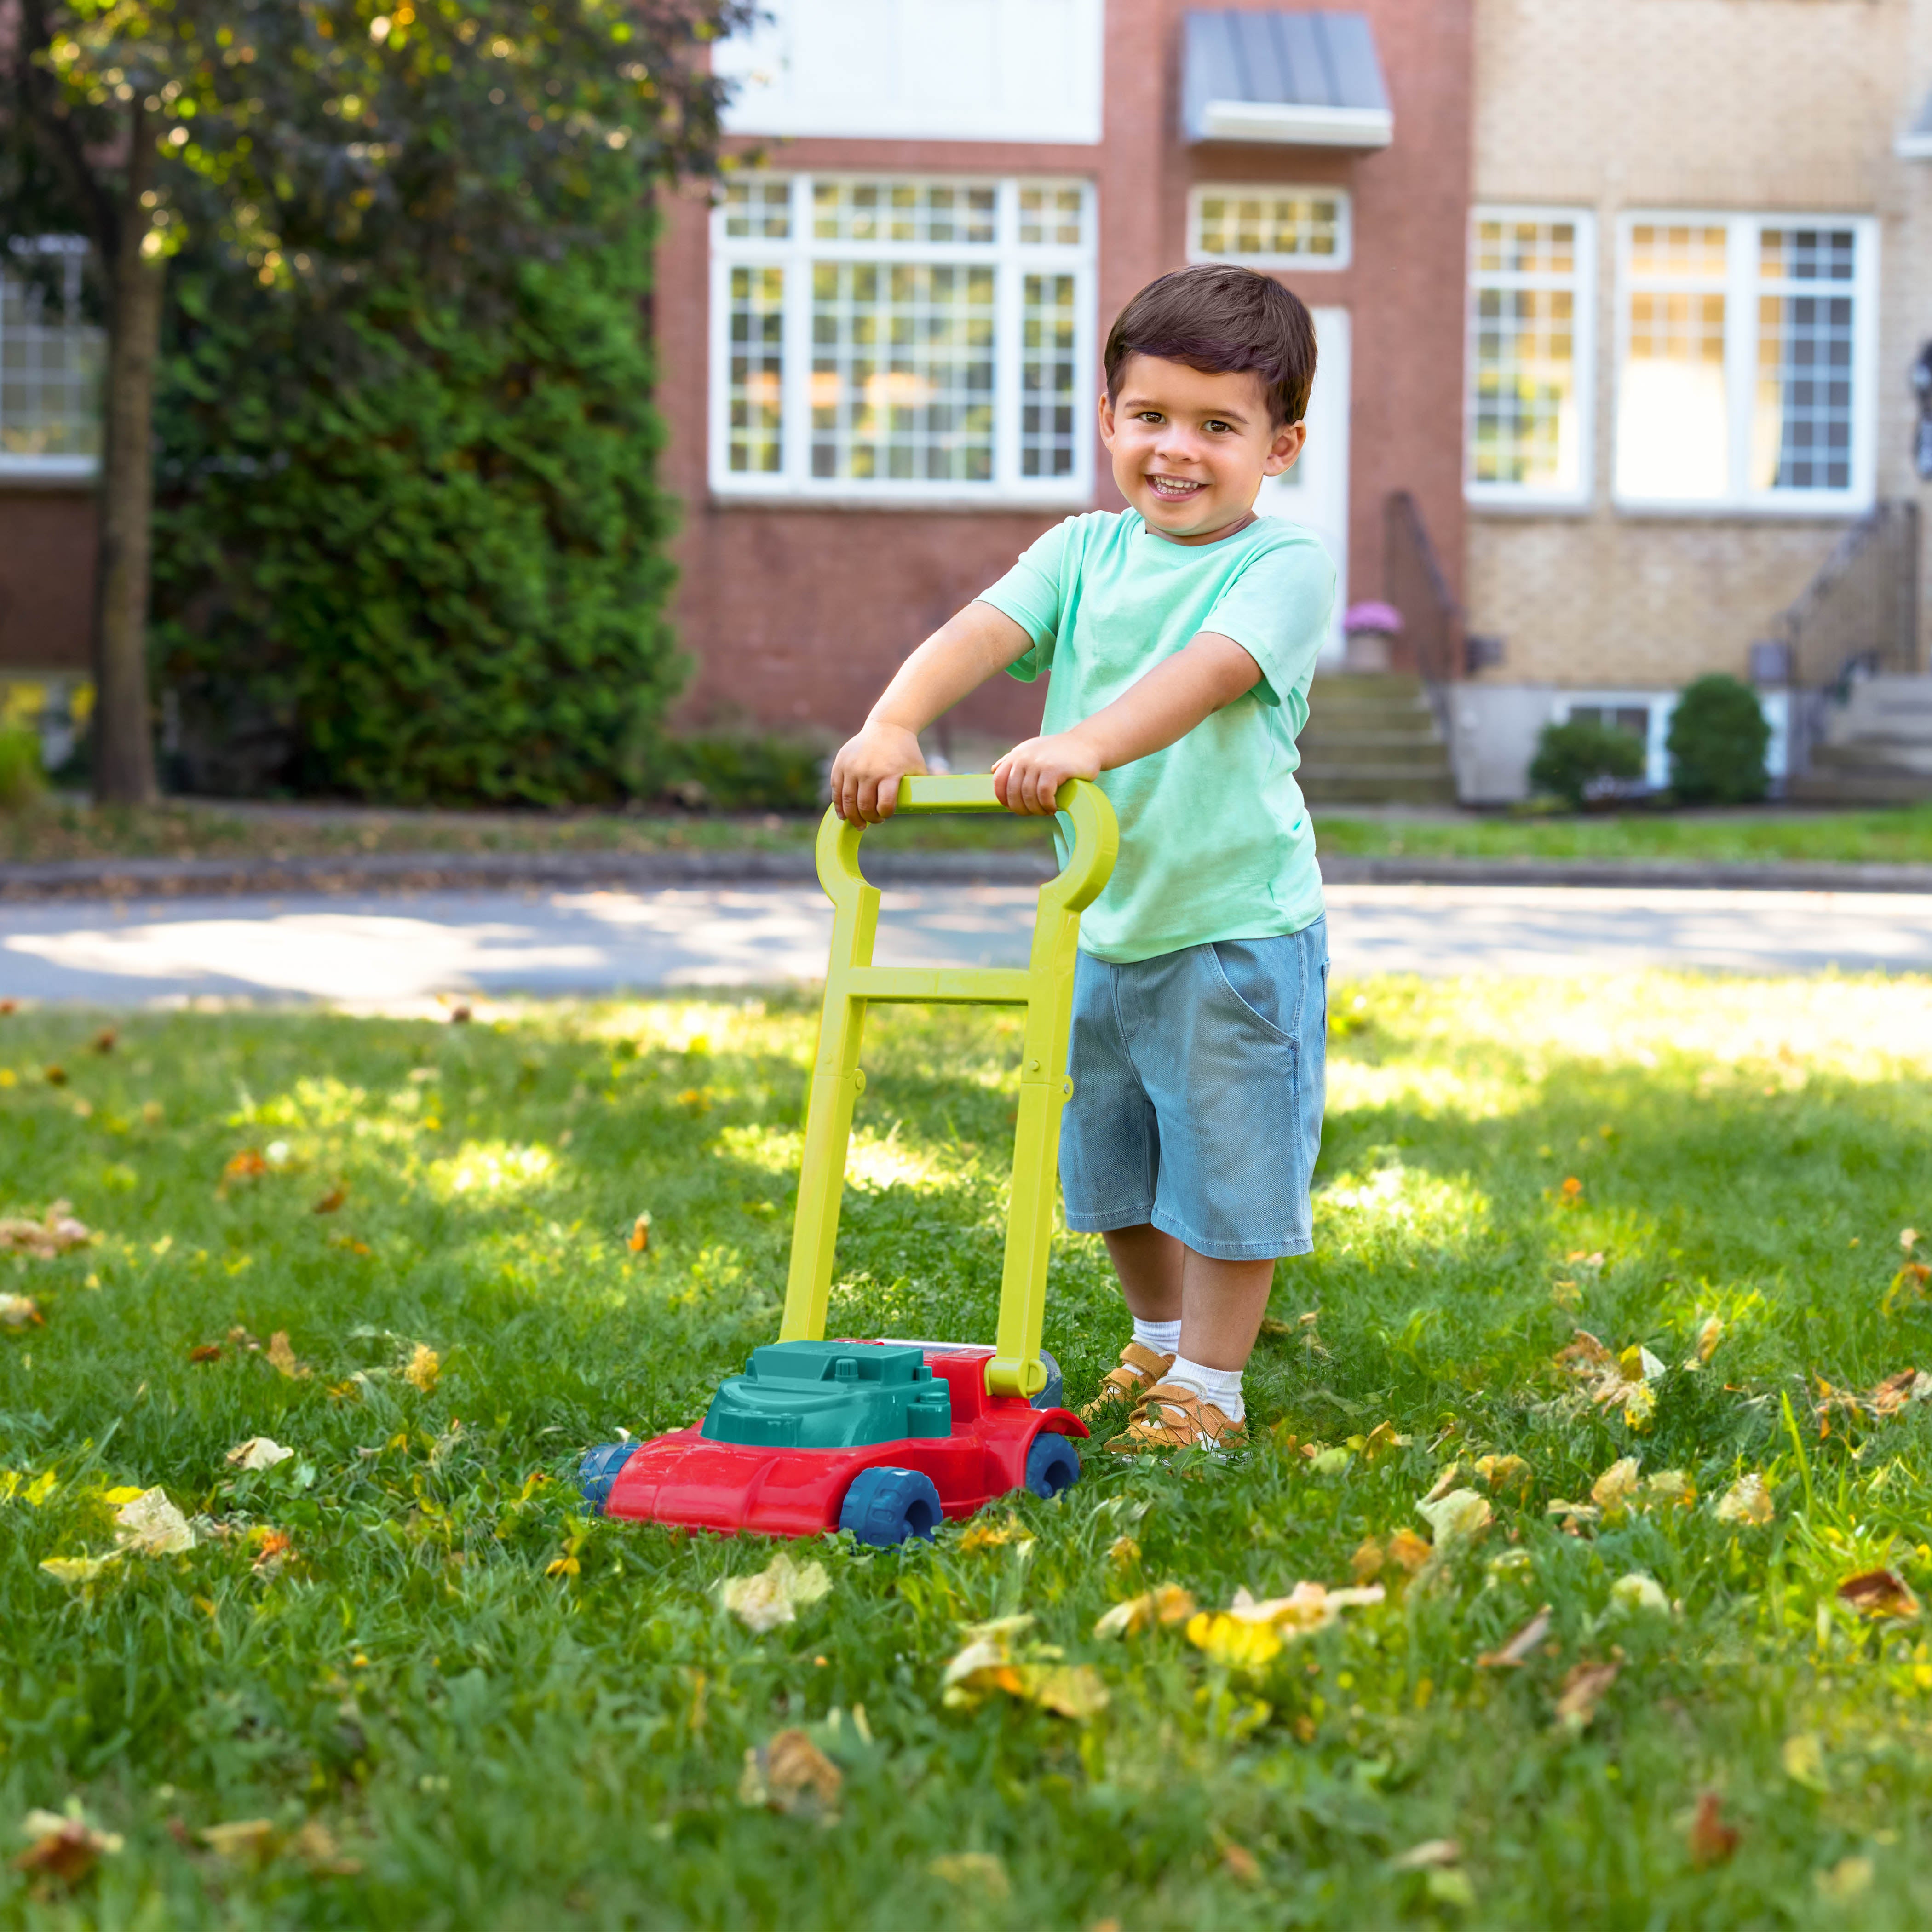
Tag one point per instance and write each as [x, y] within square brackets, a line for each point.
[20, 1311]
[1459, 1517]
[423, 1368]
[250, 1841]
[1746, 1500]
[1517, 1650]
[1849, 1878]
[282, 1355]
[71, 1569]
[1803, 1757]
[66, 1847]
[1583, 1688]
[1169, 1604]
[775, 1595]
[150, 1526]
[1613, 1491]
[1881, 1595]
[54, 1234]
[1367, 1561]
[639, 1238]
[259, 1452]
[980, 1535]
[1503, 1472]
[979, 1872]
[1408, 1549]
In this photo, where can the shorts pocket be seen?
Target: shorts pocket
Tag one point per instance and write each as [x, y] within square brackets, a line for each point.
[1242, 970]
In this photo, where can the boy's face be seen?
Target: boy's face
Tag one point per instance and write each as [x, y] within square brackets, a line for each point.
[1190, 449]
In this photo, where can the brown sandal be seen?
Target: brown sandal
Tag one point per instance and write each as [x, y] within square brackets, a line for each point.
[1171, 1418]
[1140, 1369]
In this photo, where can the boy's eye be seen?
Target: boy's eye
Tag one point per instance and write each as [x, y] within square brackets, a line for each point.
[1149, 416]
[1220, 425]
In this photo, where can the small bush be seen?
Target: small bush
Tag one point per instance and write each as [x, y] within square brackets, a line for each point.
[21, 778]
[1716, 741]
[737, 772]
[1582, 760]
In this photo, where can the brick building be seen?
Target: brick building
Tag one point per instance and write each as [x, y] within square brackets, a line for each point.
[1617, 308]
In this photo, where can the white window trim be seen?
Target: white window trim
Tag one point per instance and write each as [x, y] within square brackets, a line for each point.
[1009, 488]
[1740, 292]
[1582, 350]
[50, 468]
[1776, 705]
[1345, 225]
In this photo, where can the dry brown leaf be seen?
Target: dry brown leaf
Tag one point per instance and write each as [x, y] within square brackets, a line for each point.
[282, 1355]
[1241, 1864]
[1671, 1487]
[1431, 1855]
[1583, 1688]
[54, 1234]
[793, 1775]
[272, 1546]
[1367, 1561]
[150, 1526]
[1460, 1517]
[1411, 1551]
[1712, 1841]
[1849, 1878]
[1123, 1552]
[315, 1845]
[1444, 1483]
[1517, 1650]
[66, 1847]
[1380, 1440]
[1896, 1392]
[423, 1368]
[332, 1201]
[20, 1311]
[248, 1164]
[639, 1238]
[1879, 1595]
[1708, 1336]
[55, 1076]
[259, 1452]
[205, 1351]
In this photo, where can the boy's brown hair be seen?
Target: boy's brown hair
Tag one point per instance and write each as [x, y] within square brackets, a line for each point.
[1221, 320]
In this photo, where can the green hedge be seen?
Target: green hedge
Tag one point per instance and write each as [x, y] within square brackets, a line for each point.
[1716, 740]
[1575, 761]
[410, 553]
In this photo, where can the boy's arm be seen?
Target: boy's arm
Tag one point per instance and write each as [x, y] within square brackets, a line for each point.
[959, 657]
[1166, 704]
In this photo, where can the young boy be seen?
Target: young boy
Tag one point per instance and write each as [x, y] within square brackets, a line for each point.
[1181, 633]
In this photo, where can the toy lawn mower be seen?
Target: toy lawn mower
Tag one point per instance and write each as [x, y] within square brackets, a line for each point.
[885, 1438]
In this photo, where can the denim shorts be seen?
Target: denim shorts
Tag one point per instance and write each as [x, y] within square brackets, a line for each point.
[1198, 1079]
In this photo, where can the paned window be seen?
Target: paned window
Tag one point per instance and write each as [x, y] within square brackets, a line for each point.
[50, 361]
[902, 338]
[1528, 434]
[1268, 227]
[1744, 376]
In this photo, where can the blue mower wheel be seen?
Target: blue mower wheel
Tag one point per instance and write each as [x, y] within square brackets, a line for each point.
[1049, 1396]
[884, 1507]
[598, 1471]
[1053, 1464]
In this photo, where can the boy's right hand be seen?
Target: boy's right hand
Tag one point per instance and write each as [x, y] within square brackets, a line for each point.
[866, 775]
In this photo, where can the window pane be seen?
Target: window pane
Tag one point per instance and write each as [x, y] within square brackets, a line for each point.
[1661, 253]
[1526, 247]
[1672, 420]
[901, 372]
[1055, 216]
[1047, 402]
[1801, 426]
[758, 209]
[1524, 424]
[1285, 227]
[755, 395]
[1806, 254]
[902, 211]
[51, 359]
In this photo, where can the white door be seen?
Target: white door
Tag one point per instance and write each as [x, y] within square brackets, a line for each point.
[1314, 492]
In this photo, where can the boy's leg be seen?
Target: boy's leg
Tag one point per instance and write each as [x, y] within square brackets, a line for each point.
[1223, 1303]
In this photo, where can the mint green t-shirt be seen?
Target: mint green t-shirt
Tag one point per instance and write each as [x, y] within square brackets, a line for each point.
[1215, 840]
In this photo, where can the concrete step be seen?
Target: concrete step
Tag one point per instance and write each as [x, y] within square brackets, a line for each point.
[1905, 757]
[1405, 786]
[1417, 736]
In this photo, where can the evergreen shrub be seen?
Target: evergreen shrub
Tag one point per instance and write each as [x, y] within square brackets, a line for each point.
[1716, 740]
[1582, 761]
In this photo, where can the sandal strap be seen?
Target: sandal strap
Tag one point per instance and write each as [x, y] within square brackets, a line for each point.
[1139, 1370]
[1201, 1419]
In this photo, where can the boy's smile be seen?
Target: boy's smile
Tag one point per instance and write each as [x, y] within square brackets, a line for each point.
[1190, 449]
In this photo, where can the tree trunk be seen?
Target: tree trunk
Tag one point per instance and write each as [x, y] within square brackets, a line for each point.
[124, 749]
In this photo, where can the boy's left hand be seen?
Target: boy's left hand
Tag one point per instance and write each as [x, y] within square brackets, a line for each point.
[1028, 778]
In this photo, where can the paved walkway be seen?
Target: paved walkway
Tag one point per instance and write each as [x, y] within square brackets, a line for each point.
[388, 951]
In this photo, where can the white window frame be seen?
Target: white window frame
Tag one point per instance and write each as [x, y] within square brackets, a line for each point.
[1011, 260]
[1741, 291]
[1776, 705]
[1583, 281]
[1345, 225]
[45, 468]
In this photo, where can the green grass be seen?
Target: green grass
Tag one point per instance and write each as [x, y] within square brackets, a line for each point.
[1897, 835]
[496, 1745]
[64, 830]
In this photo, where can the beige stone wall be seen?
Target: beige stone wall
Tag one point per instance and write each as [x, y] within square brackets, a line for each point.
[1736, 105]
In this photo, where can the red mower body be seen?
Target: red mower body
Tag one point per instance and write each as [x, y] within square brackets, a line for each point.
[686, 1478]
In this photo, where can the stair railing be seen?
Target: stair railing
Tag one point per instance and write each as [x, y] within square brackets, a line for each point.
[1860, 613]
[1414, 582]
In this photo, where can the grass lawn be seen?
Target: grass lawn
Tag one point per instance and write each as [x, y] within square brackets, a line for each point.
[59, 831]
[452, 1701]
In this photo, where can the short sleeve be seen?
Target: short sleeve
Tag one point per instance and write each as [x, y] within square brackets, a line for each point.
[1033, 593]
[1277, 609]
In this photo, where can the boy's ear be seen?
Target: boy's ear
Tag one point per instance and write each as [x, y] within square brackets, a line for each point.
[1106, 419]
[1287, 445]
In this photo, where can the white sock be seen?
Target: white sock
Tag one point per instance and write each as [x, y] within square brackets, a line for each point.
[1163, 1337]
[1222, 1386]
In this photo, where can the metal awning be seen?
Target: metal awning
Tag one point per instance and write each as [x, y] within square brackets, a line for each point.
[1305, 80]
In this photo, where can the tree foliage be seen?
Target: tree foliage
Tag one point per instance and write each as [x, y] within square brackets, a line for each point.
[409, 509]
[1582, 760]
